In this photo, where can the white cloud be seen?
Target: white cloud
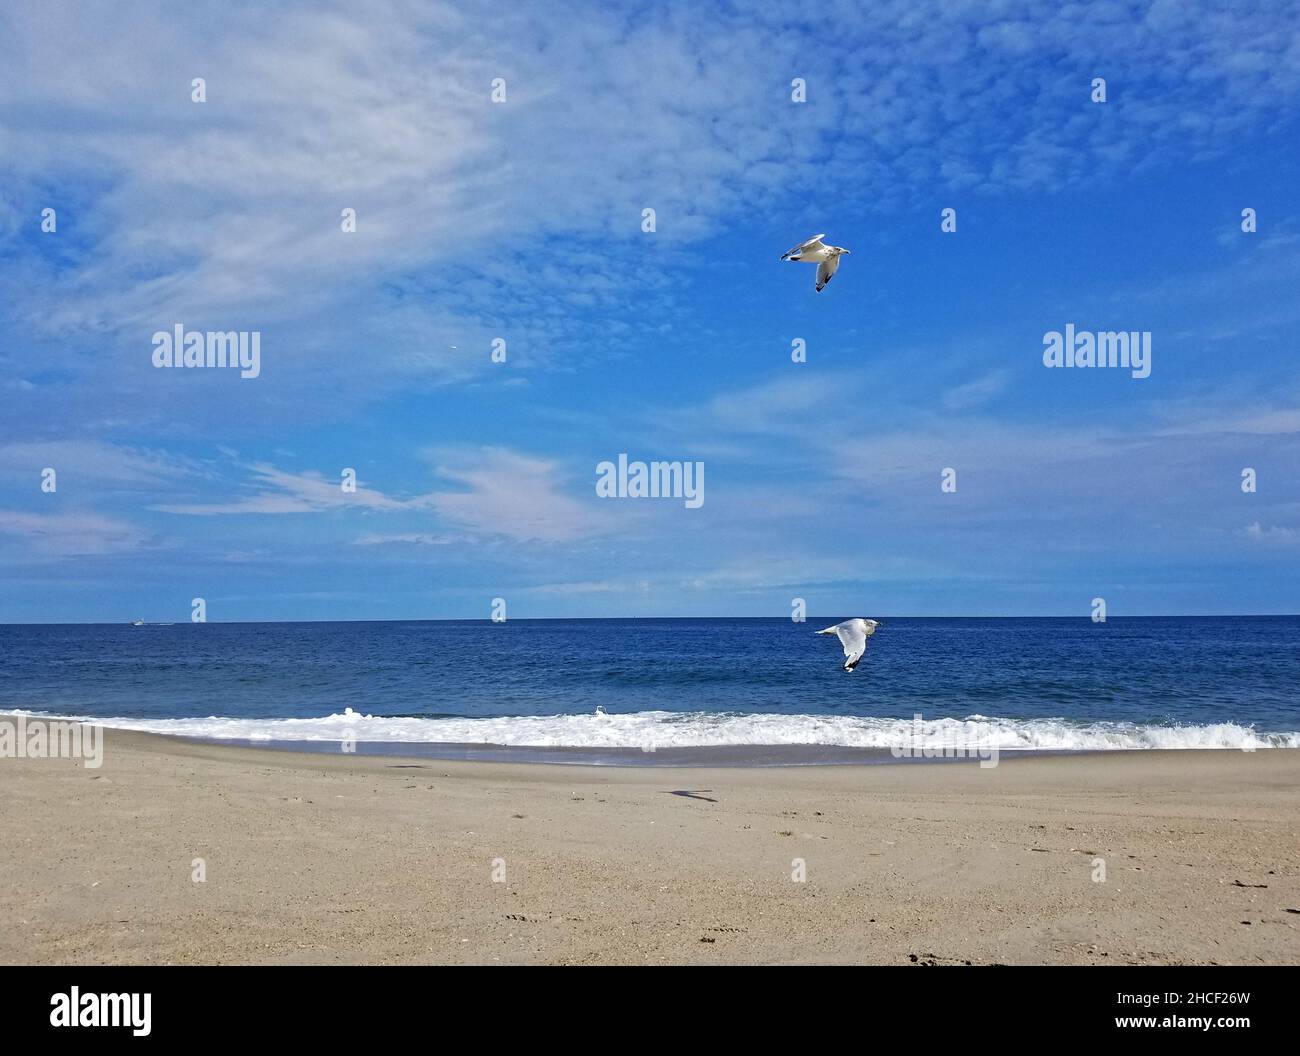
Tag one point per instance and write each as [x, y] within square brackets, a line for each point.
[496, 493]
[408, 539]
[282, 492]
[94, 461]
[508, 494]
[227, 211]
[73, 534]
[1273, 533]
[975, 393]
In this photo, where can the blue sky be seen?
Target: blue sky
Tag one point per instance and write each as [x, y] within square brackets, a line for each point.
[522, 220]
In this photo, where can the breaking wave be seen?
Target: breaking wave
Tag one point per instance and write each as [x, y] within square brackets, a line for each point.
[664, 729]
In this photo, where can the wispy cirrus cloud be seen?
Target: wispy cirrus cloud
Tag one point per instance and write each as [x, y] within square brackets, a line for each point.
[409, 539]
[71, 534]
[230, 208]
[1274, 533]
[96, 462]
[975, 393]
[281, 492]
[495, 493]
[509, 494]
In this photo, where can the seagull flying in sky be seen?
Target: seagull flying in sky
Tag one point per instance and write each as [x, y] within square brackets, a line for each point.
[853, 635]
[827, 258]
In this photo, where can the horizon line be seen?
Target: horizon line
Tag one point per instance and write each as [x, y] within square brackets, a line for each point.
[558, 619]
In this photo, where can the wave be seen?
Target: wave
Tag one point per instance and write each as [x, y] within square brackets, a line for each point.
[664, 729]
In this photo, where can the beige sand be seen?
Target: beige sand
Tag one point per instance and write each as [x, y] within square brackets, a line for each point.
[316, 858]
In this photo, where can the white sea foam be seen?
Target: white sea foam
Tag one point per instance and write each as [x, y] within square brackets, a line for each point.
[664, 729]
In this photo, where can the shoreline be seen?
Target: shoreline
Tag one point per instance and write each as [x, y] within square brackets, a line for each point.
[722, 756]
[338, 858]
[739, 756]
[685, 739]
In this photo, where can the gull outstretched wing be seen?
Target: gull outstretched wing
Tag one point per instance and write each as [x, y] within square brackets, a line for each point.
[811, 245]
[826, 271]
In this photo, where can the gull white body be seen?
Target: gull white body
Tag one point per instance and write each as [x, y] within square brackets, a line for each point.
[815, 251]
[853, 635]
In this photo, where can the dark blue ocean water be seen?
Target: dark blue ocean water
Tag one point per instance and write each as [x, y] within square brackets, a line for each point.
[1180, 672]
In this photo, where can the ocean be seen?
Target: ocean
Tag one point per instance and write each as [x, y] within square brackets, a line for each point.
[665, 690]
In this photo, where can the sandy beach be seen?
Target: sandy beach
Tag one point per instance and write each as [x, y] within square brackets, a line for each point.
[343, 858]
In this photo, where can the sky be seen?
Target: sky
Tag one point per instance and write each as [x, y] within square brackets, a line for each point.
[520, 219]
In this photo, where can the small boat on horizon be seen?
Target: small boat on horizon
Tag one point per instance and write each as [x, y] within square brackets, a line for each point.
[137, 623]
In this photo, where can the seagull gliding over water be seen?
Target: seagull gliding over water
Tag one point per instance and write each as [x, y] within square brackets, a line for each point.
[853, 635]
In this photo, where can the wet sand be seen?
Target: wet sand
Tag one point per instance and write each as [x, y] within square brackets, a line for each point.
[382, 859]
